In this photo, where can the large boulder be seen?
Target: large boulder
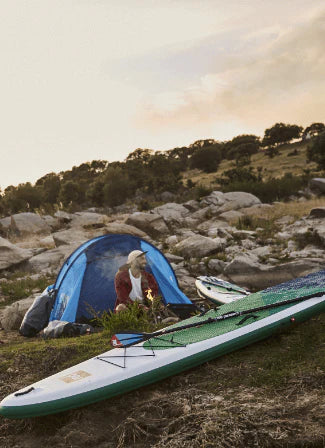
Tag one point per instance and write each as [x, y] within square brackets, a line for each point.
[12, 316]
[89, 220]
[197, 246]
[10, 254]
[66, 237]
[236, 200]
[318, 184]
[50, 260]
[247, 271]
[215, 198]
[29, 223]
[5, 225]
[63, 217]
[120, 227]
[172, 212]
[151, 223]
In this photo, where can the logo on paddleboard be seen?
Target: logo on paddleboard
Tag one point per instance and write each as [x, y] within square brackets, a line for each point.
[75, 376]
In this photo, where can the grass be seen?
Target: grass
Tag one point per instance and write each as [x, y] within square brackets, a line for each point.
[17, 288]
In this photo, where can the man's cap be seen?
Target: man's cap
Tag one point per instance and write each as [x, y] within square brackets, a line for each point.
[135, 254]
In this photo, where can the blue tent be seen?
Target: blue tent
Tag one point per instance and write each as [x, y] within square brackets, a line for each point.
[86, 280]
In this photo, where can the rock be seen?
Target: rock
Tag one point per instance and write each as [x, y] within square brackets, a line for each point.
[66, 237]
[187, 284]
[151, 223]
[200, 246]
[190, 222]
[11, 254]
[262, 251]
[171, 240]
[192, 205]
[237, 200]
[51, 260]
[317, 183]
[12, 316]
[47, 242]
[212, 224]
[318, 212]
[63, 217]
[120, 227]
[29, 223]
[243, 233]
[201, 214]
[172, 212]
[214, 198]
[5, 225]
[246, 271]
[53, 223]
[174, 258]
[216, 266]
[232, 215]
[89, 220]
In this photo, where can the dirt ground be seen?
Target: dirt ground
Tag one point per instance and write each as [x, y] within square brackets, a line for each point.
[210, 406]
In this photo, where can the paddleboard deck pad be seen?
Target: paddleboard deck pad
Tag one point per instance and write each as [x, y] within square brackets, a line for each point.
[218, 291]
[120, 370]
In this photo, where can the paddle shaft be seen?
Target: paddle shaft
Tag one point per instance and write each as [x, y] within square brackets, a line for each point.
[229, 315]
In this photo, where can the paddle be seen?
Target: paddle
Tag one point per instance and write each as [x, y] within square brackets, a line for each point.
[127, 339]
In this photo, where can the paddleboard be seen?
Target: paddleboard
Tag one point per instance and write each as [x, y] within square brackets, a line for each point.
[218, 290]
[123, 369]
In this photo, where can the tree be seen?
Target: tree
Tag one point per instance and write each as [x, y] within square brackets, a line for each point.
[140, 154]
[117, 186]
[316, 152]
[50, 185]
[281, 133]
[70, 193]
[313, 130]
[241, 146]
[207, 158]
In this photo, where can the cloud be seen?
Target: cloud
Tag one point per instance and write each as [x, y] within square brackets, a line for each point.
[279, 80]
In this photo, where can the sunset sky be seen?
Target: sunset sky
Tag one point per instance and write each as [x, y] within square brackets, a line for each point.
[95, 79]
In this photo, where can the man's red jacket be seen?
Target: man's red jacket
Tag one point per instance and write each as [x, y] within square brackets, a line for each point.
[123, 286]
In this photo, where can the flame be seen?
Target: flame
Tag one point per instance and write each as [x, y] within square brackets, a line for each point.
[149, 295]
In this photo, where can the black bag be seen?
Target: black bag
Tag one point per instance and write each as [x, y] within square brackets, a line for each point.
[38, 315]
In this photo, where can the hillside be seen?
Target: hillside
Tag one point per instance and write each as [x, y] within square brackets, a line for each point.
[275, 167]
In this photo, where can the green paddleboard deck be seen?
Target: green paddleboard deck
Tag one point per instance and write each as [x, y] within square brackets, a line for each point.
[305, 286]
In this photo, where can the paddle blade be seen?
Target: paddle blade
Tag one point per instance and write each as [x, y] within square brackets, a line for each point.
[126, 339]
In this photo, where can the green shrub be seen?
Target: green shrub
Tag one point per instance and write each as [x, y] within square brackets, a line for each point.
[133, 319]
[270, 190]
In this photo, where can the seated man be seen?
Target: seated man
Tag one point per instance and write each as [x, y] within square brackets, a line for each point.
[132, 282]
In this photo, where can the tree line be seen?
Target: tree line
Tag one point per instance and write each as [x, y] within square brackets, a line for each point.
[145, 171]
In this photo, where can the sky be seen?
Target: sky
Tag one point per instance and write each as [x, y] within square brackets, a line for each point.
[82, 80]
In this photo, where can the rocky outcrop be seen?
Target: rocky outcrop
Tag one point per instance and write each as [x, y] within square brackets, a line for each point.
[247, 271]
[318, 184]
[171, 212]
[151, 223]
[119, 227]
[89, 220]
[11, 255]
[199, 246]
[29, 224]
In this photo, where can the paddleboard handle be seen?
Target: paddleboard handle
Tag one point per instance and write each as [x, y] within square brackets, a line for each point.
[24, 392]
